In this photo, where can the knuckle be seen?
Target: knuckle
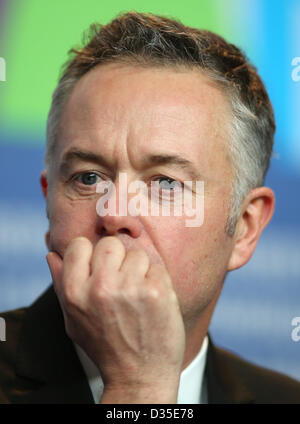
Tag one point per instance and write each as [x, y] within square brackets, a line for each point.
[130, 293]
[153, 293]
[97, 293]
[70, 296]
[150, 293]
[101, 295]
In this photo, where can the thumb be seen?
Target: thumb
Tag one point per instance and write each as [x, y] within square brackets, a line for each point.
[55, 264]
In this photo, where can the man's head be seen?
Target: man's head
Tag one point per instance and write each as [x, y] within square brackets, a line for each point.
[146, 88]
[152, 41]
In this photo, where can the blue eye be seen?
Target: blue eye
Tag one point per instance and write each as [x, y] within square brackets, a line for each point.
[88, 178]
[168, 183]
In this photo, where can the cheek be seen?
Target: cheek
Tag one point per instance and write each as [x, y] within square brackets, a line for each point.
[196, 257]
[184, 249]
[70, 219]
[177, 245]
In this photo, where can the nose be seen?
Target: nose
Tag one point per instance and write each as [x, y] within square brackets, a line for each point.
[113, 225]
[117, 219]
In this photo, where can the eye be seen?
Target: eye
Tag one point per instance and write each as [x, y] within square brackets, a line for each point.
[166, 183]
[88, 178]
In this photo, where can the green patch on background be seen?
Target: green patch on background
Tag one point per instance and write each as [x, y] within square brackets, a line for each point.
[39, 36]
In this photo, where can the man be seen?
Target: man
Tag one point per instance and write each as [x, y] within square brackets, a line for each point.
[155, 101]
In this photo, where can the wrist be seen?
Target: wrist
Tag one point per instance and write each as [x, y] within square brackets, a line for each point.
[139, 395]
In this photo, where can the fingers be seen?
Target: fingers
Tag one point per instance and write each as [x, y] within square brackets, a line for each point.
[120, 310]
[136, 263]
[156, 274]
[108, 255]
[108, 265]
[77, 259]
[76, 269]
[70, 274]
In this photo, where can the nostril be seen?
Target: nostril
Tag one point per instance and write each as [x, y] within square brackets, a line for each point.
[124, 231]
[113, 225]
[105, 233]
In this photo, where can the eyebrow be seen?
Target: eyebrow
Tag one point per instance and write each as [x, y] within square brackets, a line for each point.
[76, 154]
[152, 160]
[83, 155]
[178, 161]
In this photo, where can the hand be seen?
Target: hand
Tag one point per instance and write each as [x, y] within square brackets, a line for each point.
[125, 314]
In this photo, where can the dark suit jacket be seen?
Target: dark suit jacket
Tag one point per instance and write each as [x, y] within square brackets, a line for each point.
[38, 364]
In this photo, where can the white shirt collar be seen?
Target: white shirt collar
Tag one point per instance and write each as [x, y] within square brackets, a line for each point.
[192, 389]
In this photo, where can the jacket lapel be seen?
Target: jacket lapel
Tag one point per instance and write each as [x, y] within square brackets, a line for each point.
[47, 364]
[224, 385]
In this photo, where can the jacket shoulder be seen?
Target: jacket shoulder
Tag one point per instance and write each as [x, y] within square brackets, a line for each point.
[13, 321]
[267, 386]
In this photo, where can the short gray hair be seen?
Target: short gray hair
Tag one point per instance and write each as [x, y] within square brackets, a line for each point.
[151, 40]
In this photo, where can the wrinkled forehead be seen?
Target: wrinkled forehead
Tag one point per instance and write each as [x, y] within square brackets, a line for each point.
[151, 108]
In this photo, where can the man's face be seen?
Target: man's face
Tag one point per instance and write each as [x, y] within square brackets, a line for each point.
[126, 116]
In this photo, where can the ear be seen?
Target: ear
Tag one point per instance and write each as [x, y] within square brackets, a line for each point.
[256, 213]
[47, 239]
[44, 182]
[44, 187]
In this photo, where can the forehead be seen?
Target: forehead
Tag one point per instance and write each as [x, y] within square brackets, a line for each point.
[150, 109]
